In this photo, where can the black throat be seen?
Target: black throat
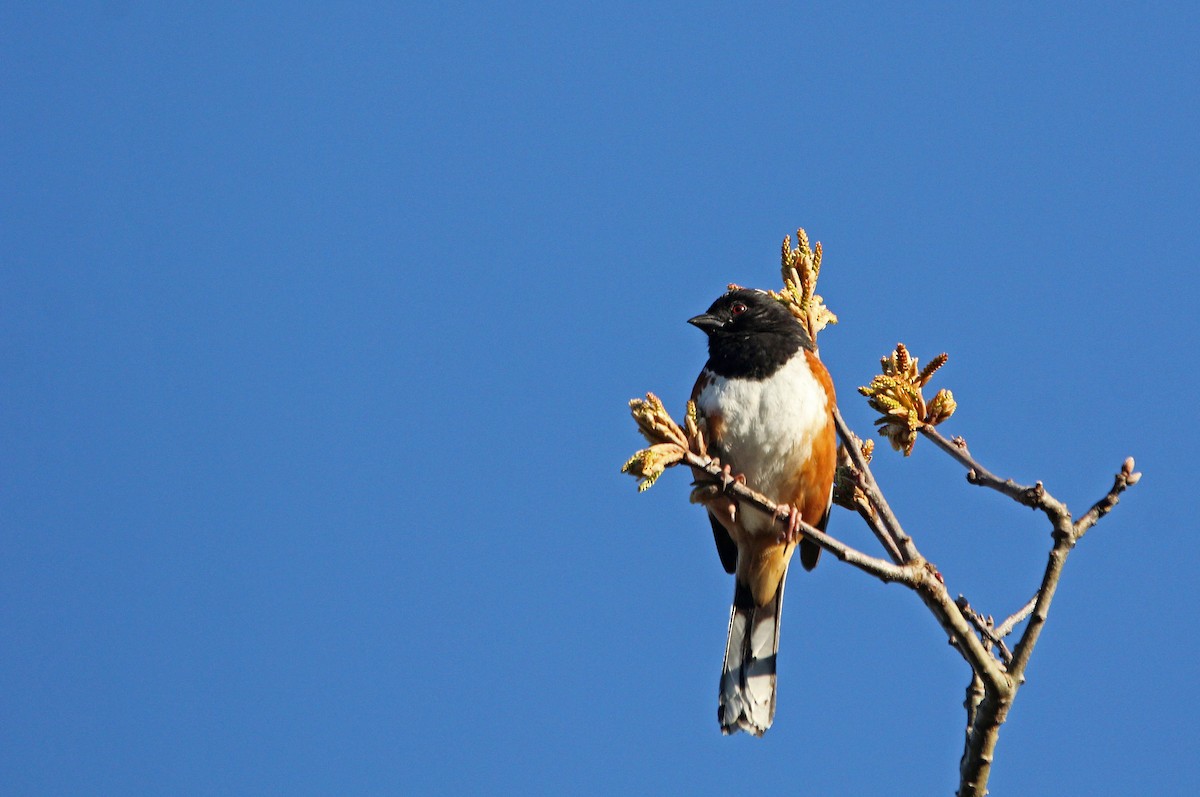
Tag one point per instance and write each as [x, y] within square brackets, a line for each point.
[752, 355]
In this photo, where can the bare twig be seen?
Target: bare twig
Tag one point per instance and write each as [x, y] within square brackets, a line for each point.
[898, 543]
[994, 634]
[1066, 534]
[1035, 496]
[866, 511]
[986, 626]
[1123, 480]
[1006, 628]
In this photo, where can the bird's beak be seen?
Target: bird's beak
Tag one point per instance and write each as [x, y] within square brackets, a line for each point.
[706, 322]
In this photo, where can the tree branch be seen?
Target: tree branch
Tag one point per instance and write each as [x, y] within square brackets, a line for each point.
[862, 505]
[1005, 628]
[987, 629]
[898, 543]
[1066, 534]
[1065, 530]
[997, 672]
[1123, 481]
[990, 713]
[1035, 497]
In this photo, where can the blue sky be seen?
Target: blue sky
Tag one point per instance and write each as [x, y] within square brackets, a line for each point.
[318, 327]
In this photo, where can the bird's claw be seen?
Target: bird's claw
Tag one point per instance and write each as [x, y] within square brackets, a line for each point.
[729, 478]
[792, 534]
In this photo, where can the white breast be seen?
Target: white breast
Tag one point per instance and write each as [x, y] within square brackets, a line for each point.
[767, 426]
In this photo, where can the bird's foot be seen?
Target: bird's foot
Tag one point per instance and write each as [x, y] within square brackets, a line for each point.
[712, 492]
[792, 534]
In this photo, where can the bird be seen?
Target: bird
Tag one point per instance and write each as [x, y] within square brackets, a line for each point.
[767, 404]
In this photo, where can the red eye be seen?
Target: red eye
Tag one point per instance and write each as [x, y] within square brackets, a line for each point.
[738, 308]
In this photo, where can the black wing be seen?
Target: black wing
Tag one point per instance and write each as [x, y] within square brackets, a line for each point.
[726, 547]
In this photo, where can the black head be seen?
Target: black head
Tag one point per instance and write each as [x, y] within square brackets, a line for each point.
[750, 334]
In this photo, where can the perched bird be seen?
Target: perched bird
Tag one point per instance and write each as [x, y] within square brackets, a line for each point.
[767, 402]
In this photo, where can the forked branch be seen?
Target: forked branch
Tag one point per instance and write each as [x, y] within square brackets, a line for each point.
[897, 393]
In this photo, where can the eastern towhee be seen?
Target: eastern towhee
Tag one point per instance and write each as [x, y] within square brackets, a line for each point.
[767, 402]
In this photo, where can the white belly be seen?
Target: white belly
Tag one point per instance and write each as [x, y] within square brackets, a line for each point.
[767, 427]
